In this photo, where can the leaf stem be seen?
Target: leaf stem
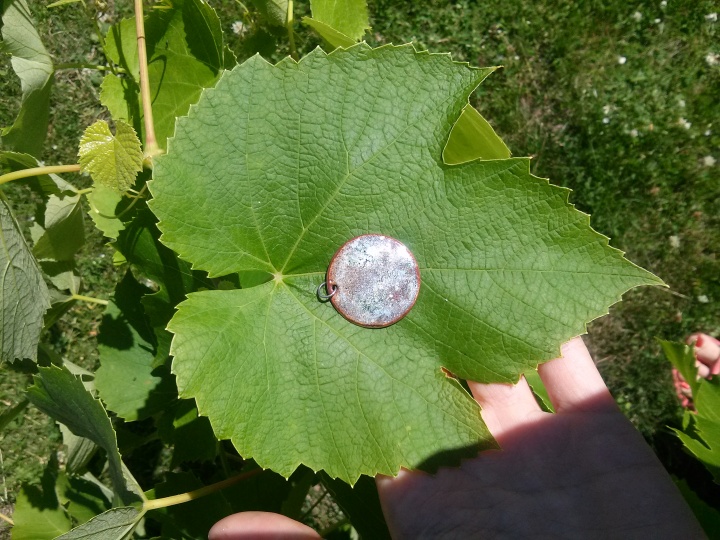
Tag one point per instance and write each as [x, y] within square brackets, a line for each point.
[5, 518]
[84, 191]
[82, 65]
[151, 145]
[291, 34]
[90, 299]
[136, 198]
[37, 171]
[192, 495]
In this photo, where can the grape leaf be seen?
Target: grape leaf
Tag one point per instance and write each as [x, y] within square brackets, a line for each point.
[24, 297]
[126, 380]
[64, 232]
[472, 137]
[113, 161]
[38, 514]
[329, 34]
[115, 524]
[278, 166]
[185, 55]
[104, 203]
[702, 437]
[62, 396]
[274, 11]
[348, 17]
[33, 65]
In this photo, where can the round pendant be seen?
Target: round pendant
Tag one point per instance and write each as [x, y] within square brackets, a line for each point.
[373, 280]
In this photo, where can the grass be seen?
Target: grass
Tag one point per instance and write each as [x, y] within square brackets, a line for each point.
[616, 101]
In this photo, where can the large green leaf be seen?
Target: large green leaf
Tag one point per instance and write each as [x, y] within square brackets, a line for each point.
[33, 65]
[24, 297]
[62, 396]
[126, 379]
[274, 170]
[185, 55]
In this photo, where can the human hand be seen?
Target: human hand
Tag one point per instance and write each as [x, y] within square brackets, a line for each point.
[583, 472]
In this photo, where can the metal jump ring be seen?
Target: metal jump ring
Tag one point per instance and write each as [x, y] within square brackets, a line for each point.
[326, 297]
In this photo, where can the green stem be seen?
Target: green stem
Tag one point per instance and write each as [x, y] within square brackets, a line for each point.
[136, 198]
[291, 34]
[84, 191]
[90, 299]
[151, 145]
[192, 495]
[37, 171]
[81, 65]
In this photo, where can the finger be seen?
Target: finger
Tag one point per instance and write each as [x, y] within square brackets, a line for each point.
[265, 525]
[505, 407]
[573, 382]
[707, 351]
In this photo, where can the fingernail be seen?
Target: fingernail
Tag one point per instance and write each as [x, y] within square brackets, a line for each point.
[699, 341]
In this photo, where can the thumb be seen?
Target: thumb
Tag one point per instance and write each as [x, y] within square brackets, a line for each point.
[261, 526]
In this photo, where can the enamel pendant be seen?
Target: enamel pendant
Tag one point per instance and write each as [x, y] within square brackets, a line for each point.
[372, 281]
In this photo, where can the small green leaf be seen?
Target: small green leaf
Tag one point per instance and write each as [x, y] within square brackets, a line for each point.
[126, 380]
[62, 396]
[24, 297]
[64, 232]
[10, 413]
[114, 524]
[33, 65]
[38, 514]
[78, 450]
[273, 11]
[472, 137]
[113, 161]
[348, 17]
[103, 207]
[334, 38]
[81, 498]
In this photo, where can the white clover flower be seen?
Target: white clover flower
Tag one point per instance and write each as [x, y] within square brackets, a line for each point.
[682, 122]
[621, 60]
[606, 120]
[637, 16]
[703, 299]
[711, 17]
[708, 132]
[681, 103]
[709, 161]
[657, 21]
[238, 28]
[663, 4]
[634, 133]
[674, 241]
[712, 59]
[607, 109]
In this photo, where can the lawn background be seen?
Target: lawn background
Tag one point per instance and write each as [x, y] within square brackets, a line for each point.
[618, 101]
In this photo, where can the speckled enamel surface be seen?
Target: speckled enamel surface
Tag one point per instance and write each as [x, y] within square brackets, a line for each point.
[377, 280]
